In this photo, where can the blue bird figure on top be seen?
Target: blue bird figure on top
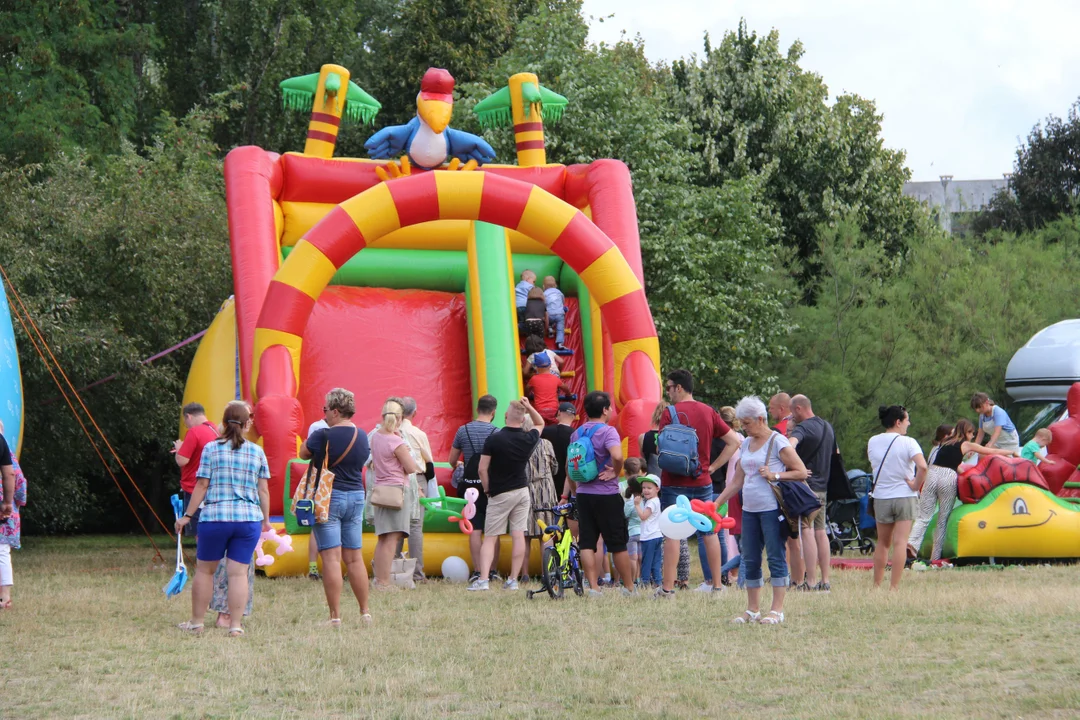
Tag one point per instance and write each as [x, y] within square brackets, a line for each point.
[427, 141]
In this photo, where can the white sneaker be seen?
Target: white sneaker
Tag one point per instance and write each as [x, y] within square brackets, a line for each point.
[704, 588]
[510, 584]
[478, 585]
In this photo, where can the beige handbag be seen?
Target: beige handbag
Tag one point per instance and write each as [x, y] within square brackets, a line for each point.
[388, 497]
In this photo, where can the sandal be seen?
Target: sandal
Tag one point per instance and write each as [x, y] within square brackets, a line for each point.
[334, 622]
[190, 628]
[236, 632]
[773, 618]
[366, 618]
[5, 604]
[748, 617]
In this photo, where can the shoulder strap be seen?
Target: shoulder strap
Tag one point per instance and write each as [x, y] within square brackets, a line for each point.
[472, 445]
[352, 442]
[882, 465]
[768, 450]
[673, 414]
[587, 434]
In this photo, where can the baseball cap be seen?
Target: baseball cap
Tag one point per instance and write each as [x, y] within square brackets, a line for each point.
[541, 359]
[567, 408]
[649, 478]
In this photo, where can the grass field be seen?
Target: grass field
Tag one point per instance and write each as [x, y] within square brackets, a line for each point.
[91, 635]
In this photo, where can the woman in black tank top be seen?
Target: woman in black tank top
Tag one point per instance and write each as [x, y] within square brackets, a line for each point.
[940, 487]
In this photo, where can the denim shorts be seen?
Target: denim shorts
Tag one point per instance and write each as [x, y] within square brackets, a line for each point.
[344, 526]
[234, 540]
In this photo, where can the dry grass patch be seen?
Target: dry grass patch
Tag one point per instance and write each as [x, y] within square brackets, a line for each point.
[92, 636]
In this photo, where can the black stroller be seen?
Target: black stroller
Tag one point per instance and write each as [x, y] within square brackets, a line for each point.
[846, 517]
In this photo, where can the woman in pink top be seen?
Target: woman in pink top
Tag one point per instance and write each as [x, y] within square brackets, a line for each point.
[392, 462]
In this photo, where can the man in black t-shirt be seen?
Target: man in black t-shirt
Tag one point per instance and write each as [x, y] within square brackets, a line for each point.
[469, 441]
[503, 463]
[559, 437]
[815, 442]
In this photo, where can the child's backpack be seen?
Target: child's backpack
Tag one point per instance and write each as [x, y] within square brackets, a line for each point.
[678, 447]
[581, 457]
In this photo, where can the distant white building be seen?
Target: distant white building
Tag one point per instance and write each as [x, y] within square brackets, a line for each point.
[947, 196]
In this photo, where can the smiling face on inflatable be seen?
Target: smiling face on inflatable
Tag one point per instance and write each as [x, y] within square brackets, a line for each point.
[1016, 520]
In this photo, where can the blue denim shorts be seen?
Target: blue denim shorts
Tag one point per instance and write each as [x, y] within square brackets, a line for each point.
[344, 527]
[234, 540]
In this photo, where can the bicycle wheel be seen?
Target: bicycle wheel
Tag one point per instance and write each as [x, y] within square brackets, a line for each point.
[551, 567]
[575, 571]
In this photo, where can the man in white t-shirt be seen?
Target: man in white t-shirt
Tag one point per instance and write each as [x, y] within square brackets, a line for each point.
[899, 469]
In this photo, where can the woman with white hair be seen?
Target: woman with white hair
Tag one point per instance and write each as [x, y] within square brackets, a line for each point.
[765, 458]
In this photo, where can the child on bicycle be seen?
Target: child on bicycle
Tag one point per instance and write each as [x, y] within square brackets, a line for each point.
[647, 507]
[631, 488]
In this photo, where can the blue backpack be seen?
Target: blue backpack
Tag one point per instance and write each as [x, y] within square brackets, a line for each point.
[581, 457]
[678, 447]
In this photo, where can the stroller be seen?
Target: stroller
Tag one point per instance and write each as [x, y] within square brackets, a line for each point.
[846, 519]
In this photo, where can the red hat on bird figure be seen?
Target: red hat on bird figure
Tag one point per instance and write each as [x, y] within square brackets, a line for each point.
[437, 84]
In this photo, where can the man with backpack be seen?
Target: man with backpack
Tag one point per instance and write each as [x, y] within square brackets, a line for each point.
[687, 429]
[468, 443]
[594, 460]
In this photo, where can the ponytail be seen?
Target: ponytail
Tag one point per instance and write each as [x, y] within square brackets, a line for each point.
[233, 422]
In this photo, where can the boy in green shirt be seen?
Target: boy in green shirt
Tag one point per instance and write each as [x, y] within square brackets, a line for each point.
[1035, 451]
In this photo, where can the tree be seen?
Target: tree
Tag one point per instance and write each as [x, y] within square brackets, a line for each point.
[115, 263]
[463, 36]
[713, 270]
[71, 74]
[247, 48]
[924, 330]
[1045, 183]
[755, 111]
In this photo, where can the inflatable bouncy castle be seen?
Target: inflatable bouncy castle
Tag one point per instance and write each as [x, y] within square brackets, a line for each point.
[395, 276]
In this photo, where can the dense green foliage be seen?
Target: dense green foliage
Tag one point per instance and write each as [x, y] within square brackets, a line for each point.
[925, 330]
[114, 263]
[71, 74]
[755, 112]
[778, 249]
[1045, 183]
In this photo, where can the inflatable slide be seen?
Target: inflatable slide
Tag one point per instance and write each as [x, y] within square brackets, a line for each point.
[389, 278]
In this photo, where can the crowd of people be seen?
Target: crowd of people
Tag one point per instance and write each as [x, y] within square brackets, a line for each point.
[520, 471]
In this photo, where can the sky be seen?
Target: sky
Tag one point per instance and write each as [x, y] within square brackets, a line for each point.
[960, 84]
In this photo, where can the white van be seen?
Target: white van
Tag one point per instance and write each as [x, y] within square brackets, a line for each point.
[1040, 374]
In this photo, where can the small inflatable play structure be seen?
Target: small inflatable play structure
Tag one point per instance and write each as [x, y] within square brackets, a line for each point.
[395, 275]
[1009, 508]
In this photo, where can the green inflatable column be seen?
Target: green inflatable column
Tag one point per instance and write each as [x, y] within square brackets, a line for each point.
[495, 355]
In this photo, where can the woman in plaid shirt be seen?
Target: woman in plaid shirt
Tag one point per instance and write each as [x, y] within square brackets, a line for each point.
[233, 479]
